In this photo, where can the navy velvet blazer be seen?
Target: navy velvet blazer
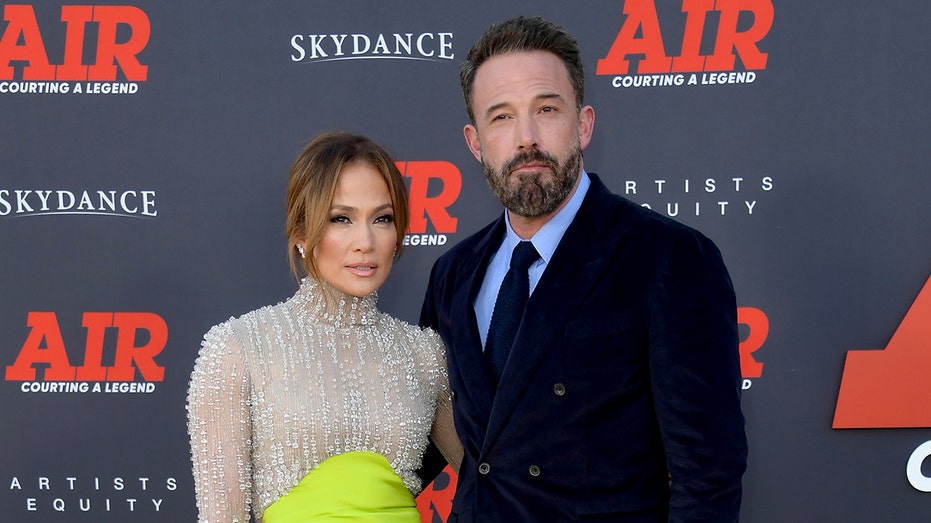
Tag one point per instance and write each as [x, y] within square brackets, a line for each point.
[621, 397]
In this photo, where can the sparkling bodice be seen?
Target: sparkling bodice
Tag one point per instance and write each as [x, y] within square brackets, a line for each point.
[280, 389]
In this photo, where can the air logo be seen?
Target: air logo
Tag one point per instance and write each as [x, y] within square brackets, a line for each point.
[641, 35]
[758, 330]
[889, 388]
[140, 337]
[429, 205]
[22, 41]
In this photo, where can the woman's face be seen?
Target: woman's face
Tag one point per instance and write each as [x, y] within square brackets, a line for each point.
[356, 250]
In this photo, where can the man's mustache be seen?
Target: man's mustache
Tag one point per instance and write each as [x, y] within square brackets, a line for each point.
[532, 156]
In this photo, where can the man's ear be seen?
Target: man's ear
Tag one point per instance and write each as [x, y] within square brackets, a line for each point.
[586, 125]
[471, 138]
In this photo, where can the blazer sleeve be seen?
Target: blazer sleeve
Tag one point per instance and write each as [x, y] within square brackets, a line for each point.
[428, 311]
[695, 369]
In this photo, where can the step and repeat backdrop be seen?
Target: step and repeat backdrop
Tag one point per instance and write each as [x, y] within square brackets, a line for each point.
[144, 154]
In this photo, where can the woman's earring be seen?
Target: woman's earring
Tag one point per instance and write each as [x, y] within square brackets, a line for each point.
[300, 249]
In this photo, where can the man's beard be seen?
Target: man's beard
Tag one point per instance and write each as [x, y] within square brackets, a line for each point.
[533, 196]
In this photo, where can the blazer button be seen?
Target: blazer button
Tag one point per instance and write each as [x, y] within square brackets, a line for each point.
[484, 468]
[534, 470]
[559, 389]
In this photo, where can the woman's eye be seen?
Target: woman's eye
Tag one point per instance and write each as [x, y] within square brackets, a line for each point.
[385, 218]
[340, 219]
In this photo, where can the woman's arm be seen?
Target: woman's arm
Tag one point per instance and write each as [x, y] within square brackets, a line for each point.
[444, 432]
[220, 428]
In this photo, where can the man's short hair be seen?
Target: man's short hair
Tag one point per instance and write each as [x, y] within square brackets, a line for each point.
[523, 34]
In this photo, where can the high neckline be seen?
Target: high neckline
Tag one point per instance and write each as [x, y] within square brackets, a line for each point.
[332, 306]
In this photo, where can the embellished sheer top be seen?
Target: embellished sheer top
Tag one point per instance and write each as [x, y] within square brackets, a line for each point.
[277, 391]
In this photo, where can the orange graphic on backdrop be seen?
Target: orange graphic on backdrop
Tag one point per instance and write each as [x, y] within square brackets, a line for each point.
[641, 35]
[435, 207]
[45, 348]
[436, 501]
[890, 388]
[22, 41]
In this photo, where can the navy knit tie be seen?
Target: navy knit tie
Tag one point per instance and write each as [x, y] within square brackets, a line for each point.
[509, 306]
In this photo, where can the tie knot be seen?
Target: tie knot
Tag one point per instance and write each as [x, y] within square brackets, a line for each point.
[523, 256]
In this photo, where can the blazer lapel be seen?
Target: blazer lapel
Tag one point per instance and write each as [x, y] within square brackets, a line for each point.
[474, 371]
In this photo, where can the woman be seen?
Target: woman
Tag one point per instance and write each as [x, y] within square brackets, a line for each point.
[321, 405]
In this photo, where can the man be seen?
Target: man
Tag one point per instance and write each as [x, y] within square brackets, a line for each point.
[619, 397]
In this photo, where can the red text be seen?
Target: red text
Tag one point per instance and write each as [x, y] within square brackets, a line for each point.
[45, 346]
[22, 42]
[641, 18]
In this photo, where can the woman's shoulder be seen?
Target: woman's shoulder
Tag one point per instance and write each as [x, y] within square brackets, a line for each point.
[245, 329]
[415, 333]
[425, 343]
[262, 314]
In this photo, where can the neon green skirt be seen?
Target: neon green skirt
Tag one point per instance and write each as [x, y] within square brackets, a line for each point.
[348, 487]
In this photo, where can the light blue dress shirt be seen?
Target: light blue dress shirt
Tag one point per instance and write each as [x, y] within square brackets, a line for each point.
[544, 241]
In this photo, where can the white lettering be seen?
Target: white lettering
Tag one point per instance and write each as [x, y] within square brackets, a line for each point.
[425, 239]
[338, 40]
[125, 206]
[21, 205]
[311, 47]
[297, 48]
[61, 200]
[356, 38]
[913, 469]
[85, 204]
[381, 44]
[43, 195]
[420, 48]
[35, 202]
[316, 50]
[446, 44]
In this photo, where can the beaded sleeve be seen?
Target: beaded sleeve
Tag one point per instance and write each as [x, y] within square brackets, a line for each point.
[220, 428]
